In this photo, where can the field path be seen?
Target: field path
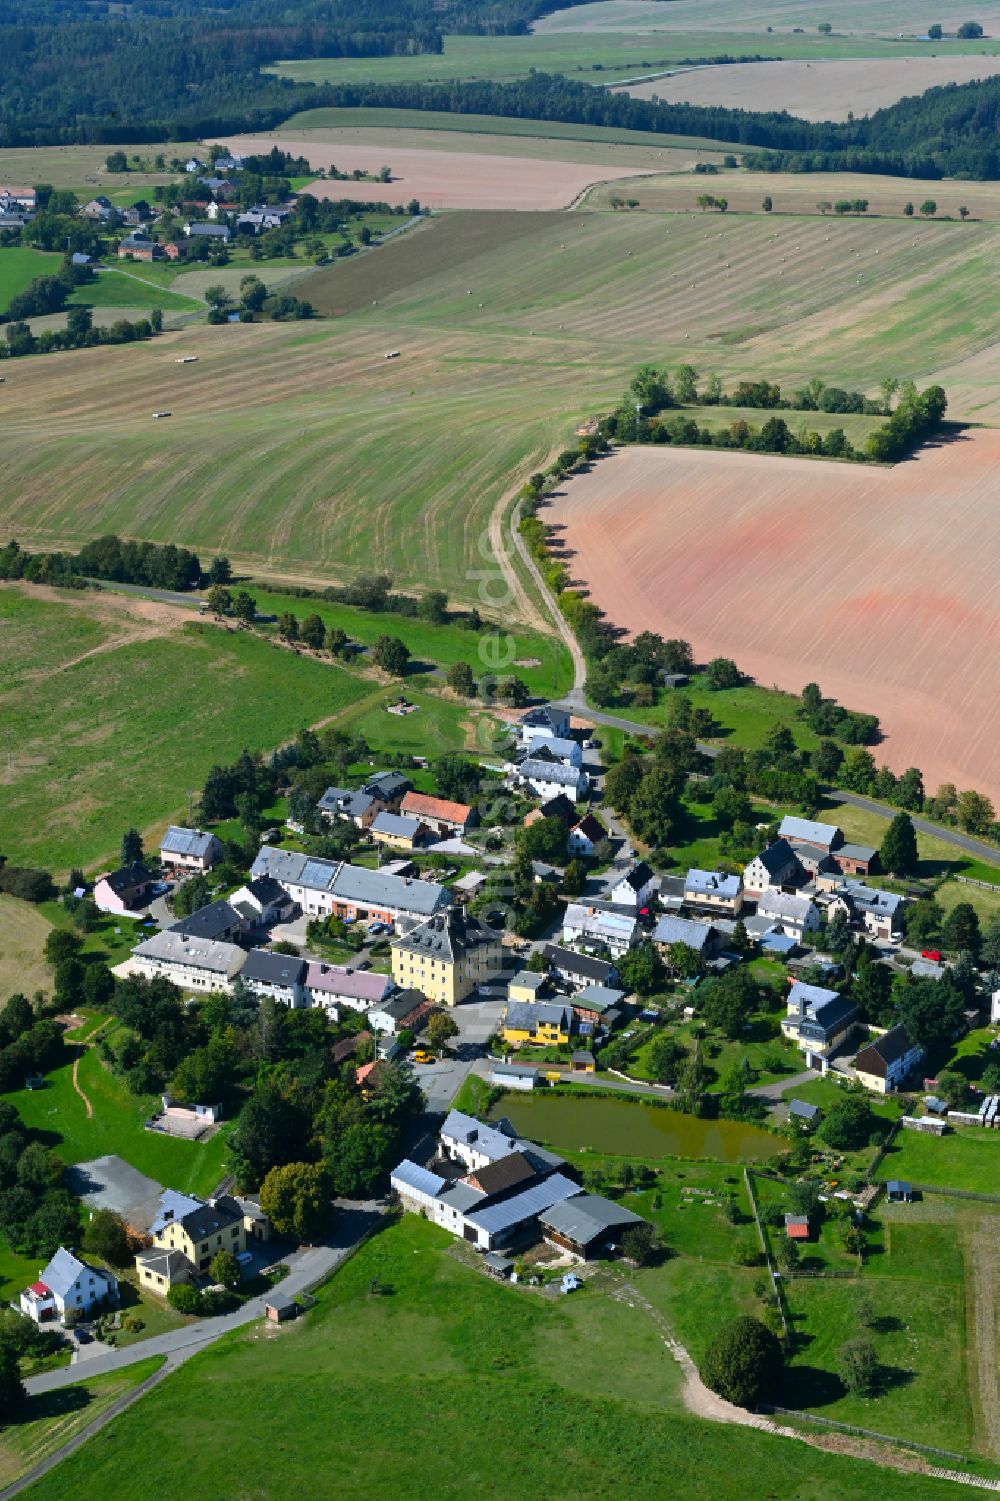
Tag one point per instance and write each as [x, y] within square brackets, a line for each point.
[529, 611]
[983, 1304]
[79, 1088]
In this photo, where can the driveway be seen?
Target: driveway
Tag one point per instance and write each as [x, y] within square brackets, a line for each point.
[307, 1267]
[441, 1081]
[776, 1090]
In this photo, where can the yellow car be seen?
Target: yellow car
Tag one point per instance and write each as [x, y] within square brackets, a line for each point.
[421, 1056]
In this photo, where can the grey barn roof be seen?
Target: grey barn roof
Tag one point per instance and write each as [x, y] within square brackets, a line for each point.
[514, 1211]
[586, 1217]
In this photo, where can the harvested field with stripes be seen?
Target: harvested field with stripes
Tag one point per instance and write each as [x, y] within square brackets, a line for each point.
[876, 583]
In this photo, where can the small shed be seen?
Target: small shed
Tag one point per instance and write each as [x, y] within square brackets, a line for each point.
[498, 1265]
[803, 1111]
[582, 1063]
[936, 1106]
[280, 1307]
[898, 1192]
[797, 1226]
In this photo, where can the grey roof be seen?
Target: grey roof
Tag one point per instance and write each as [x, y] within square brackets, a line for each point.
[489, 1140]
[808, 831]
[173, 1207]
[854, 852]
[351, 883]
[192, 842]
[164, 1263]
[200, 953]
[553, 745]
[499, 1069]
[871, 899]
[525, 1016]
[267, 890]
[396, 825]
[585, 1217]
[544, 716]
[63, 1270]
[712, 883]
[342, 800]
[530, 979]
[899, 1186]
[420, 1179]
[209, 231]
[448, 935]
[399, 1006]
[597, 970]
[523, 1206]
[598, 997]
[803, 1109]
[387, 785]
[824, 1010]
[777, 856]
[534, 770]
[273, 969]
[778, 904]
[209, 1219]
[278, 1300]
[208, 922]
[891, 1047]
[671, 929]
[600, 922]
[129, 878]
[461, 1197]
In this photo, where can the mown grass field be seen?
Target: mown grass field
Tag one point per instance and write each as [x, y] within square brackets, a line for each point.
[298, 448]
[82, 167]
[47, 1422]
[23, 965]
[125, 732]
[116, 1126]
[967, 1158]
[18, 267]
[542, 662]
[123, 289]
[586, 1379]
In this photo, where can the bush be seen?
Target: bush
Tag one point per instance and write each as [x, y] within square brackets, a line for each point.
[744, 1363]
[185, 1298]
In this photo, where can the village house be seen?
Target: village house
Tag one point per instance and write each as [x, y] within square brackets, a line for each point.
[125, 890]
[190, 849]
[702, 937]
[194, 165]
[218, 921]
[100, 209]
[195, 1230]
[578, 970]
[556, 807]
[25, 198]
[877, 909]
[446, 819]
[711, 891]
[545, 722]
[334, 985]
[465, 1139]
[67, 1289]
[818, 1020]
[794, 915]
[796, 831]
[774, 867]
[197, 230]
[399, 832]
[585, 836]
[190, 963]
[358, 808]
[325, 888]
[263, 902]
[635, 889]
[138, 247]
[541, 1024]
[888, 1061]
[448, 957]
[529, 985]
[586, 1225]
[547, 778]
[597, 1005]
[279, 976]
[568, 752]
[598, 928]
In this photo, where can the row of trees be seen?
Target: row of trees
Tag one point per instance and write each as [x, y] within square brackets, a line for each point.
[80, 333]
[154, 564]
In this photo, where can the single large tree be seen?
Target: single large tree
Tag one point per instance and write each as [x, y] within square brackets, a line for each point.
[744, 1363]
[296, 1197]
[898, 850]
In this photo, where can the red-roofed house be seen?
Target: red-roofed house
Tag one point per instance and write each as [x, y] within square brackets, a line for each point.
[444, 817]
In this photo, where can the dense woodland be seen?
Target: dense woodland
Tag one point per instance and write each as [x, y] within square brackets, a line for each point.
[162, 69]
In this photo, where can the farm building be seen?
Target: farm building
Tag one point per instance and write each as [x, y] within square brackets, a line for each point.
[587, 1224]
[804, 831]
[887, 1061]
[776, 866]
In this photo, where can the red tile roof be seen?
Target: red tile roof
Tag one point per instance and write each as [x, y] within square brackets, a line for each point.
[797, 1232]
[421, 803]
[40, 1290]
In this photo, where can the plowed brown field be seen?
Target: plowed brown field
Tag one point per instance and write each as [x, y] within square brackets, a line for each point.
[879, 584]
[442, 179]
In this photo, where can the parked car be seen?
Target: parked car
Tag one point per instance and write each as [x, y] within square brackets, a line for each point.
[934, 954]
[363, 964]
[422, 1056]
[245, 1258]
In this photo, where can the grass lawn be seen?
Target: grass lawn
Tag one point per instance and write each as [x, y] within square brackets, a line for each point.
[743, 716]
[549, 676]
[720, 1053]
[986, 903]
[116, 1127]
[696, 841]
[128, 732]
[49, 1421]
[585, 1383]
[439, 725]
[937, 857]
[123, 289]
[920, 1341]
[19, 266]
[967, 1157]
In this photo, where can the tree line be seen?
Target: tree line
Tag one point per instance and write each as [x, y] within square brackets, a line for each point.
[154, 564]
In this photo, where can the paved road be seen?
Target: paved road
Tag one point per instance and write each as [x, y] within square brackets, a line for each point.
[308, 1267]
[964, 842]
[776, 1090]
[165, 596]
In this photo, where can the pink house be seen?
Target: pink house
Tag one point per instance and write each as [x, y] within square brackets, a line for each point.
[124, 890]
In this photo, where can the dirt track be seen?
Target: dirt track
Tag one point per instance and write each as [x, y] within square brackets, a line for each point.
[876, 583]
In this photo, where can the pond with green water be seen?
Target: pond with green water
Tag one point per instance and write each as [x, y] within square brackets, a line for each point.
[631, 1128]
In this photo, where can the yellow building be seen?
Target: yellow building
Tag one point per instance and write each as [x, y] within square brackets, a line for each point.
[527, 985]
[447, 958]
[186, 1234]
[542, 1025]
